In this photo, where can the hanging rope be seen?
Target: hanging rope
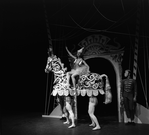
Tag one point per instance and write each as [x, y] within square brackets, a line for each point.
[47, 102]
[144, 88]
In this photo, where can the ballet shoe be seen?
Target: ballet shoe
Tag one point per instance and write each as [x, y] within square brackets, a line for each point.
[66, 122]
[96, 128]
[71, 126]
[92, 125]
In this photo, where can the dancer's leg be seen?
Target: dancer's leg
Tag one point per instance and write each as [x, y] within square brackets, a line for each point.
[90, 112]
[126, 106]
[92, 124]
[66, 114]
[71, 114]
[96, 122]
[68, 74]
[72, 119]
[93, 117]
[132, 110]
[67, 118]
[73, 79]
[61, 102]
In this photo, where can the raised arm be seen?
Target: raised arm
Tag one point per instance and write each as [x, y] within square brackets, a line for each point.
[70, 53]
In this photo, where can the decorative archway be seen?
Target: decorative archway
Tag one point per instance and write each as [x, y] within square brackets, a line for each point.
[97, 46]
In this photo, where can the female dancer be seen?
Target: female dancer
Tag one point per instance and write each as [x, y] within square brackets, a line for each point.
[80, 67]
[91, 109]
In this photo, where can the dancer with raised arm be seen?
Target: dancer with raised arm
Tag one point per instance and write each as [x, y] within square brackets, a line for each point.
[80, 67]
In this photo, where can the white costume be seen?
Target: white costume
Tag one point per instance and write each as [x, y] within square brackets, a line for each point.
[80, 66]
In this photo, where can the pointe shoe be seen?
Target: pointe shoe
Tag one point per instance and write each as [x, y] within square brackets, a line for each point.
[66, 122]
[92, 125]
[71, 126]
[96, 128]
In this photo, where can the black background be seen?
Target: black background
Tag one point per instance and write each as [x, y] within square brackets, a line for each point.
[24, 44]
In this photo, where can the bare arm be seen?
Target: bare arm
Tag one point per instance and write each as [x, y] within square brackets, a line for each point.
[70, 53]
[85, 63]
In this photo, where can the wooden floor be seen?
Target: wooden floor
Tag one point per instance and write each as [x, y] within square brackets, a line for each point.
[35, 124]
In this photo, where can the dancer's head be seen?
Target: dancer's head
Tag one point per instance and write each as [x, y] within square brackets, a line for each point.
[79, 52]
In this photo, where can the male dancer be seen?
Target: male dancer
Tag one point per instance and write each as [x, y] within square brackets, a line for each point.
[70, 111]
[129, 94]
[91, 109]
[61, 100]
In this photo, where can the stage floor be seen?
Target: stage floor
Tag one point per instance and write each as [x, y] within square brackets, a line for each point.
[35, 124]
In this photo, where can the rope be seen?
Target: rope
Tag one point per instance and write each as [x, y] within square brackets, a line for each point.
[50, 46]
